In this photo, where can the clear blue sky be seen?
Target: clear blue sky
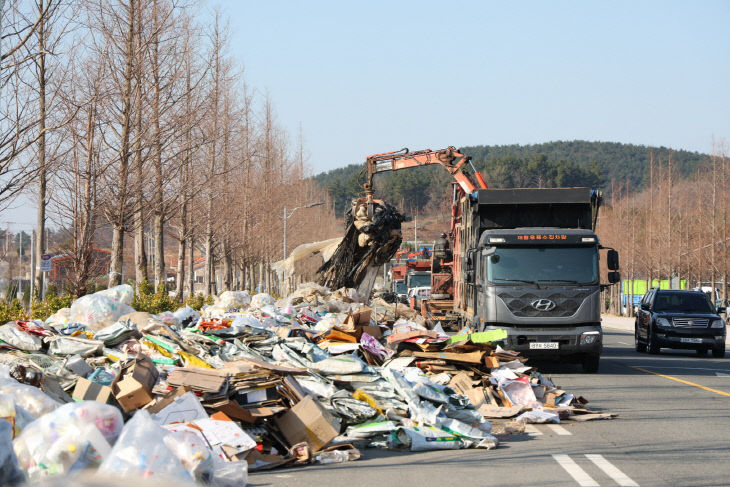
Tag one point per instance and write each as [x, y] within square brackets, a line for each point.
[365, 77]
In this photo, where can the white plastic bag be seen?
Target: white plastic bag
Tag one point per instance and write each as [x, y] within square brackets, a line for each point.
[97, 311]
[340, 365]
[518, 392]
[141, 450]
[233, 299]
[73, 437]
[187, 316]
[261, 299]
[538, 416]
[30, 398]
[122, 293]
[75, 346]
[13, 335]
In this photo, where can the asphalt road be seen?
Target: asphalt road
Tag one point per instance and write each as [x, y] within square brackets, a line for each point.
[673, 429]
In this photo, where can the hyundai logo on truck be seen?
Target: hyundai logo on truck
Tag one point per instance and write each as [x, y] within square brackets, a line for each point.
[543, 304]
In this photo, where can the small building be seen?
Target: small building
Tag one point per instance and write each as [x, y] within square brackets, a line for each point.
[62, 265]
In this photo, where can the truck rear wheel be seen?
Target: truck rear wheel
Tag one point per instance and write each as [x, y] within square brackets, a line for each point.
[591, 363]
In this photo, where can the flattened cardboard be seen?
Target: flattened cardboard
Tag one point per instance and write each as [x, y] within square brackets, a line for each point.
[469, 358]
[87, 390]
[308, 421]
[133, 386]
[198, 379]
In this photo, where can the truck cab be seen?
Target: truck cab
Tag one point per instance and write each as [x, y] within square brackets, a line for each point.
[530, 261]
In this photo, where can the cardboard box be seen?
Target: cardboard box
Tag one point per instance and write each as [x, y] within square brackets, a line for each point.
[308, 421]
[407, 335]
[491, 362]
[87, 390]
[133, 386]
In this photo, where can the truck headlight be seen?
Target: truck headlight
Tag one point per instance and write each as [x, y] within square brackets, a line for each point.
[717, 324]
[663, 322]
[589, 337]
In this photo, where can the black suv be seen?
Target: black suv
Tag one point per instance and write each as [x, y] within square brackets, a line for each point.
[679, 319]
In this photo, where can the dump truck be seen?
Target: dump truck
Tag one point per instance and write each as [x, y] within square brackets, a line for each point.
[523, 260]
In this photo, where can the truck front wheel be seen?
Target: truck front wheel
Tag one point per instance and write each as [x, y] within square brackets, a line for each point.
[590, 363]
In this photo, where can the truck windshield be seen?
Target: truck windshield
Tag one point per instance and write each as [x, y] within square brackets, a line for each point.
[543, 265]
[683, 302]
[419, 280]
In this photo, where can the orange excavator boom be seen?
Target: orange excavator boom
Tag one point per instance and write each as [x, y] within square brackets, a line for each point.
[451, 159]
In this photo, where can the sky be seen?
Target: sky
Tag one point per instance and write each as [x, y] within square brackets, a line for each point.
[367, 77]
[370, 77]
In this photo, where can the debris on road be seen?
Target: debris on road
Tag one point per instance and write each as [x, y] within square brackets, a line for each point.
[253, 383]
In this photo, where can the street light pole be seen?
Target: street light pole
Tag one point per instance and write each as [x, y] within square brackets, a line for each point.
[289, 215]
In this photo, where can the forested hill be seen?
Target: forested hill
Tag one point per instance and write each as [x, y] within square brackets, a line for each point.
[552, 164]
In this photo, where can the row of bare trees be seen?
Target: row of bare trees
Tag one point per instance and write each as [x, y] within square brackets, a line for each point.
[130, 117]
[676, 229]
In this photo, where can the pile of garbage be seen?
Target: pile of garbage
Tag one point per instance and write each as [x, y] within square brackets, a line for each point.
[252, 383]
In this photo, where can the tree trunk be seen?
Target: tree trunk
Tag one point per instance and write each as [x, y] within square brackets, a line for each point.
[180, 273]
[140, 253]
[115, 269]
[118, 223]
[191, 265]
[40, 245]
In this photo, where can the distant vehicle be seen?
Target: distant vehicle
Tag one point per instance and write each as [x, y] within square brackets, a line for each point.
[670, 318]
[714, 296]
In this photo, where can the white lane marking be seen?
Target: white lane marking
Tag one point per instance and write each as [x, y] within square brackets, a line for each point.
[622, 343]
[721, 374]
[609, 469]
[559, 430]
[578, 474]
[531, 430]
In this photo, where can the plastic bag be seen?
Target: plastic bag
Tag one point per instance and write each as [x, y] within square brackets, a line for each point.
[229, 474]
[73, 437]
[141, 450]
[187, 316]
[343, 364]
[538, 416]
[30, 398]
[518, 392]
[60, 317]
[192, 451]
[124, 293]
[75, 346]
[10, 474]
[261, 299]
[13, 335]
[97, 311]
[117, 333]
[233, 300]
[426, 438]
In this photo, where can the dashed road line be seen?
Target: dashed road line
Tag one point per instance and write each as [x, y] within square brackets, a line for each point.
[531, 430]
[575, 471]
[559, 430]
[612, 471]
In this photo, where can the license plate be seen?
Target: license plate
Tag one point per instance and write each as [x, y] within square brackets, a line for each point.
[543, 346]
[690, 340]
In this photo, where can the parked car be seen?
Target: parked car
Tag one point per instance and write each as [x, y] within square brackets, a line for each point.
[672, 318]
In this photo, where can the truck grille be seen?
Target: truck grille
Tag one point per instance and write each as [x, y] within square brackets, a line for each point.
[520, 304]
[691, 322]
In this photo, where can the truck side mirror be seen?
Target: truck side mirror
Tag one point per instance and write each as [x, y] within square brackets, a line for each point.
[614, 277]
[612, 260]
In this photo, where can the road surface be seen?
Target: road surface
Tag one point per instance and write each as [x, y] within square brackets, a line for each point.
[673, 429]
